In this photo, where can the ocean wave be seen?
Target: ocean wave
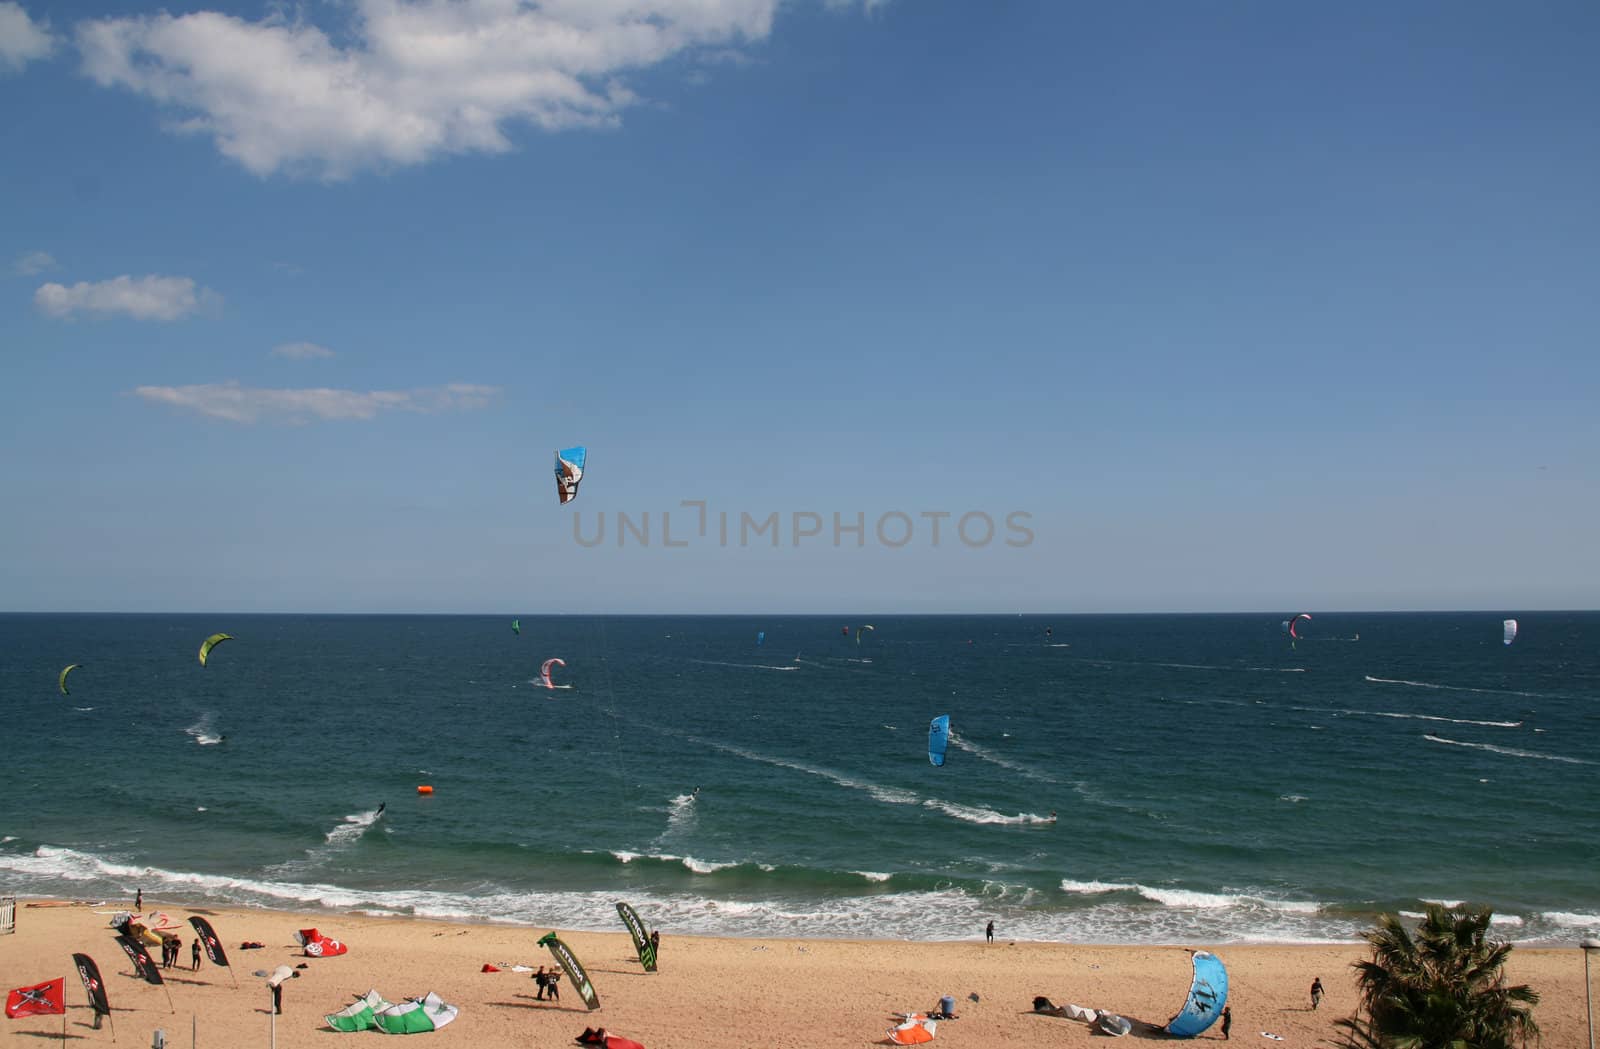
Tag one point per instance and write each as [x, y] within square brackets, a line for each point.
[971, 814]
[948, 912]
[353, 827]
[1455, 688]
[204, 731]
[744, 666]
[1512, 752]
[1406, 716]
[1095, 888]
[985, 754]
[887, 795]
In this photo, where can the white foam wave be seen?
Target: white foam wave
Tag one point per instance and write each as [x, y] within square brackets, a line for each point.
[745, 666]
[1215, 900]
[888, 795]
[874, 876]
[985, 754]
[1411, 717]
[705, 866]
[1572, 919]
[946, 913]
[1295, 798]
[976, 815]
[1512, 752]
[204, 731]
[1095, 888]
[353, 827]
[1448, 688]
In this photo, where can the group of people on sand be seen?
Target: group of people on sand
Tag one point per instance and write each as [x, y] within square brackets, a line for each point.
[549, 982]
[172, 947]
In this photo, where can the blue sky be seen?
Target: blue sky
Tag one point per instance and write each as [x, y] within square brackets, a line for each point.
[1245, 305]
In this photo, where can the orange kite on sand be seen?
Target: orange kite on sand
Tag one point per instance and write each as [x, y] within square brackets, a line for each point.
[913, 1032]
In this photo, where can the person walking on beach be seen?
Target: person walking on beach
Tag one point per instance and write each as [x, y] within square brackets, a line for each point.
[988, 933]
[1227, 1022]
[194, 955]
[1316, 991]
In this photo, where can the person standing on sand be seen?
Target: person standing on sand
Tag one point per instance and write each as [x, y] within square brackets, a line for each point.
[194, 955]
[1227, 1021]
[1316, 991]
[988, 933]
[555, 991]
[543, 981]
[655, 944]
[138, 901]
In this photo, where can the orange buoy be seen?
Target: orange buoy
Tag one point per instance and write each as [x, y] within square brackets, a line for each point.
[424, 789]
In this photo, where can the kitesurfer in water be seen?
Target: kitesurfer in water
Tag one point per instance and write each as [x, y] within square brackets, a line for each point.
[381, 806]
[989, 933]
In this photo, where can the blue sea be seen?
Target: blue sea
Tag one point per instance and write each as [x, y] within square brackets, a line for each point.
[1212, 780]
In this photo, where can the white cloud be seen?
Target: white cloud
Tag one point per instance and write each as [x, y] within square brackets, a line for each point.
[301, 351]
[405, 80]
[150, 298]
[34, 262]
[21, 38]
[249, 404]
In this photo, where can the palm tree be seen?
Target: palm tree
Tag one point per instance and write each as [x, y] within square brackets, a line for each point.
[1443, 988]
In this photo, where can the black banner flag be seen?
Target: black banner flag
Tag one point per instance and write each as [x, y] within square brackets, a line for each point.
[208, 936]
[143, 967]
[89, 972]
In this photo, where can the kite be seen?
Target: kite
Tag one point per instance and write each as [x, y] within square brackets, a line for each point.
[516, 626]
[212, 642]
[62, 681]
[867, 626]
[1208, 995]
[1289, 625]
[938, 738]
[544, 673]
[1510, 626]
[569, 472]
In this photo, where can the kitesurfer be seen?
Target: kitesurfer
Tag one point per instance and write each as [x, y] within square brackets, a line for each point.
[1227, 1021]
[1052, 818]
[381, 806]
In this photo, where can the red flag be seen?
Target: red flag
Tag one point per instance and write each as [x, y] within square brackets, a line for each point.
[42, 999]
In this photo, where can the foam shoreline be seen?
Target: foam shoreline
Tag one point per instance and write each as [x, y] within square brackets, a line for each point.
[711, 993]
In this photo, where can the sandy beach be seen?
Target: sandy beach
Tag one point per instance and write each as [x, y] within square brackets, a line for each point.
[708, 994]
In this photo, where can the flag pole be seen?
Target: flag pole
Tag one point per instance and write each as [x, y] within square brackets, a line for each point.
[113, 1025]
[174, 1008]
